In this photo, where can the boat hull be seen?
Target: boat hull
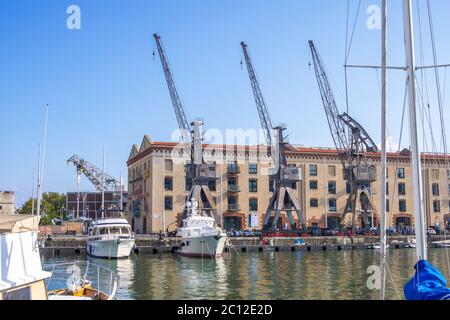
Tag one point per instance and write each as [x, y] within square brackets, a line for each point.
[202, 247]
[110, 249]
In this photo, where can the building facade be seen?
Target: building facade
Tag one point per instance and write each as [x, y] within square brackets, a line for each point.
[7, 202]
[89, 204]
[158, 188]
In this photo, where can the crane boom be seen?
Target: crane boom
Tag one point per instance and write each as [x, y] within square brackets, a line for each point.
[266, 121]
[284, 176]
[100, 179]
[352, 142]
[336, 125]
[183, 124]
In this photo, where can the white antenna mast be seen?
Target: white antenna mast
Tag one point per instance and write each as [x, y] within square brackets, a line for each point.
[41, 166]
[383, 147]
[415, 154]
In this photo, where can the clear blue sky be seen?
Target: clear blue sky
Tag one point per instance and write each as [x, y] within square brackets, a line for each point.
[105, 90]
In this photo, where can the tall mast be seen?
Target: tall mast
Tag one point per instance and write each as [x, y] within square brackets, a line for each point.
[415, 154]
[103, 190]
[383, 147]
[41, 167]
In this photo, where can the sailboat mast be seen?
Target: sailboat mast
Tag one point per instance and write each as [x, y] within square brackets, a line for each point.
[415, 153]
[383, 147]
[103, 187]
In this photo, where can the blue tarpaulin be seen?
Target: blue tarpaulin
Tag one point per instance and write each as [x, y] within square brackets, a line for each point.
[427, 284]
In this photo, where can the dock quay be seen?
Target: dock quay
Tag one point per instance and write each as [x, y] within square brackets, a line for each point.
[66, 245]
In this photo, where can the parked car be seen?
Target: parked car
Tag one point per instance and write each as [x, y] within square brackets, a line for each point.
[391, 231]
[374, 231]
[329, 232]
[247, 233]
[315, 232]
[431, 232]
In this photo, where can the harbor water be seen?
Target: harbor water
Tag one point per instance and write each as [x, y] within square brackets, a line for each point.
[335, 275]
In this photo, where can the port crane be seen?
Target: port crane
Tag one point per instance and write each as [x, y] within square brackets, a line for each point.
[197, 171]
[282, 174]
[100, 179]
[352, 143]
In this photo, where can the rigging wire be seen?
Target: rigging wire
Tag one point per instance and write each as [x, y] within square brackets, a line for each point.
[440, 104]
[348, 46]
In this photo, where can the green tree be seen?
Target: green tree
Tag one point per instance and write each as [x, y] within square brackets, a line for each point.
[52, 206]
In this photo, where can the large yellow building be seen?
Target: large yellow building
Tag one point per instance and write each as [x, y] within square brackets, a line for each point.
[158, 188]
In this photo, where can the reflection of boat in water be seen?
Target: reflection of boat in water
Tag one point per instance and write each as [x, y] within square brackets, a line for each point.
[200, 236]
[110, 238]
[81, 281]
[376, 246]
[442, 244]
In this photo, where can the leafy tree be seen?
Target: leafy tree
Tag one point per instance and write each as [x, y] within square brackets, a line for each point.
[52, 206]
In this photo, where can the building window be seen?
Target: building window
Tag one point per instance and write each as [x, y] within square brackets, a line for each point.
[332, 205]
[448, 174]
[332, 187]
[436, 206]
[314, 203]
[435, 189]
[313, 184]
[168, 203]
[348, 187]
[168, 183]
[449, 189]
[402, 205]
[253, 204]
[401, 189]
[253, 168]
[387, 172]
[388, 205]
[252, 185]
[168, 165]
[387, 188]
[401, 173]
[212, 184]
[332, 171]
[188, 184]
[313, 170]
[271, 185]
[294, 186]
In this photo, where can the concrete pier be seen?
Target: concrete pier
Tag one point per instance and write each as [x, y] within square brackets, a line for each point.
[65, 245]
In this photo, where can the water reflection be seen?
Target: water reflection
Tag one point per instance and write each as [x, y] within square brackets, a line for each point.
[267, 275]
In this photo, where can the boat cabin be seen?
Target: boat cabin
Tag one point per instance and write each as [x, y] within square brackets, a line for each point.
[21, 273]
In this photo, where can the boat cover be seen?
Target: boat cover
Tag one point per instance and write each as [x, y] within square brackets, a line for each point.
[427, 284]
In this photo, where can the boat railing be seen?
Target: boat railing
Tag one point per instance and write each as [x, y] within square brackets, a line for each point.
[79, 273]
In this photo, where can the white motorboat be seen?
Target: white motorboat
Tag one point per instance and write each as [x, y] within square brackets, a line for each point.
[200, 235]
[23, 277]
[110, 238]
[21, 273]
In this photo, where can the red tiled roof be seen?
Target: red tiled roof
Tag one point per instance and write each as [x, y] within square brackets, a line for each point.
[293, 150]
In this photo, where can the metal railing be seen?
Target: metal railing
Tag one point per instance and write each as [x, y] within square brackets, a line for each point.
[77, 273]
[233, 188]
[233, 207]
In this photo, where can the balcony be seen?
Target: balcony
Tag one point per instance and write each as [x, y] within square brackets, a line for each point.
[233, 188]
[233, 207]
[233, 169]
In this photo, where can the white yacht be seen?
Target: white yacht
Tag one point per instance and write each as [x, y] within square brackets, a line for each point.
[200, 235]
[21, 273]
[23, 277]
[110, 238]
